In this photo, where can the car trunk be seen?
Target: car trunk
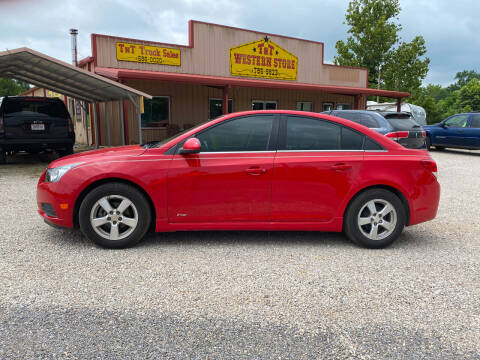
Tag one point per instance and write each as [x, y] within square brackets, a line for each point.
[38, 119]
[404, 123]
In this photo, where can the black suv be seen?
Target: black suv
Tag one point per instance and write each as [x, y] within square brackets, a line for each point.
[34, 124]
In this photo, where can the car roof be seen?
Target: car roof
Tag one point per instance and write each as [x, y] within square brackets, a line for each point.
[384, 141]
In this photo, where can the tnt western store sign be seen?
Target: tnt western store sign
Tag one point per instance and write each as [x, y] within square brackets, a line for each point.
[221, 69]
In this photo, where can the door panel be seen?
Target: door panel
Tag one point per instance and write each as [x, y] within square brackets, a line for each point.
[310, 186]
[209, 187]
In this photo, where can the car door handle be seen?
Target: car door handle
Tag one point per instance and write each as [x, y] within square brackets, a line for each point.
[341, 167]
[256, 171]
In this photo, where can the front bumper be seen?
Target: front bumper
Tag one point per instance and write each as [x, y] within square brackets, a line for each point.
[58, 199]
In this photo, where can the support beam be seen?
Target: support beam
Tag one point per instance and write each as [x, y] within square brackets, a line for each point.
[122, 121]
[85, 123]
[94, 124]
[356, 102]
[399, 104]
[107, 120]
[225, 99]
[136, 103]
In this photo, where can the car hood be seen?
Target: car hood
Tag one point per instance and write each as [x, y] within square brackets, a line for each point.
[120, 152]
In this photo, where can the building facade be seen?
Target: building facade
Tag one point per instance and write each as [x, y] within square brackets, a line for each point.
[221, 65]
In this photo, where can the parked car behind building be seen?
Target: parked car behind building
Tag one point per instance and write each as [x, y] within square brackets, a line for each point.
[458, 131]
[400, 127]
[34, 124]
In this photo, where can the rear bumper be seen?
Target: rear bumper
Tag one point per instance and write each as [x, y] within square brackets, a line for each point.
[35, 144]
[424, 205]
[52, 194]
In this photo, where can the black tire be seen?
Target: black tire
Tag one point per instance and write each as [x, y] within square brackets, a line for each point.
[428, 143]
[115, 192]
[3, 157]
[358, 206]
[65, 152]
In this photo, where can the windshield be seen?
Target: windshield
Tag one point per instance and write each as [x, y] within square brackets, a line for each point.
[160, 143]
[401, 121]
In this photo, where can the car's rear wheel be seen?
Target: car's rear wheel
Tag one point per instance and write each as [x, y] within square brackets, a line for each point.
[3, 156]
[114, 215]
[428, 143]
[375, 218]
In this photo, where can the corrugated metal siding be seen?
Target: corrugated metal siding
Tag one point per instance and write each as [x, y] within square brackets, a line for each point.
[210, 56]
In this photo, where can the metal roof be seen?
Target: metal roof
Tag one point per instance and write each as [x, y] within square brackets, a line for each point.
[50, 73]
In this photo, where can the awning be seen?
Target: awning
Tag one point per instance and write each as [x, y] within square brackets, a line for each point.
[50, 73]
[117, 74]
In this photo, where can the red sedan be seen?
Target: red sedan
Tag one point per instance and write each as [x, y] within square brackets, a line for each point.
[255, 170]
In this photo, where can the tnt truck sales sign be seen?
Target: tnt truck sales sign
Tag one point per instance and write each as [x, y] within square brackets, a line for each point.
[148, 54]
[263, 59]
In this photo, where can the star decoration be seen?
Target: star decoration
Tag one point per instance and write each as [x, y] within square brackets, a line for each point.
[266, 38]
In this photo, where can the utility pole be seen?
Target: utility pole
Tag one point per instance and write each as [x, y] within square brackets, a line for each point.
[379, 68]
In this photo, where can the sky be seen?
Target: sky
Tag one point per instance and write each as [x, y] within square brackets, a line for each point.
[450, 28]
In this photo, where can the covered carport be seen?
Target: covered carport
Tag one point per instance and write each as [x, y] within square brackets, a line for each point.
[44, 71]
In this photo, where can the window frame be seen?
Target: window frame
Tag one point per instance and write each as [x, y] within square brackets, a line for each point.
[271, 147]
[169, 114]
[214, 98]
[350, 107]
[328, 103]
[264, 104]
[471, 121]
[312, 108]
[282, 136]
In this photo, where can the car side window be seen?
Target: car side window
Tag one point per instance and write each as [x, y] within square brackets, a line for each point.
[303, 133]
[368, 121]
[251, 133]
[475, 122]
[360, 118]
[371, 145]
[351, 139]
[457, 121]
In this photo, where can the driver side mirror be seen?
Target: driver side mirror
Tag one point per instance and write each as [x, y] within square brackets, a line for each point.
[191, 146]
[443, 125]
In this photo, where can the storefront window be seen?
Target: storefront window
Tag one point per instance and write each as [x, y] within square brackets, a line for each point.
[344, 107]
[264, 105]
[216, 107]
[157, 112]
[304, 106]
[327, 106]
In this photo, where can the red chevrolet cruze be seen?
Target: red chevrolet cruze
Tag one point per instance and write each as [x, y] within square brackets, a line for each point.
[255, 170]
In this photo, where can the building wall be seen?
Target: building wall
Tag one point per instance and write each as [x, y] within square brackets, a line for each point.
[210, 55]
[189, 105]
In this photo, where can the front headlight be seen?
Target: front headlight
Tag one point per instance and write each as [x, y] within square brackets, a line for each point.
[55, 174]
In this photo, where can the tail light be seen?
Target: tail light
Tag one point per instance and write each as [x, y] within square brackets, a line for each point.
[424, 133]
[70, 125]
[397, 135]
[429, 164]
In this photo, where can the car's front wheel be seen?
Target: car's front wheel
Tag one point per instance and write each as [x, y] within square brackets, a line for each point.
[114, 215]
[375, 218]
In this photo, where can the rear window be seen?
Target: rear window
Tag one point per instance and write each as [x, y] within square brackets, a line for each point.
[35, 107]
[401, 121]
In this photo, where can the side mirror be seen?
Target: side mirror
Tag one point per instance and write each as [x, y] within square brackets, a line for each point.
[191, 146]
[443, 125]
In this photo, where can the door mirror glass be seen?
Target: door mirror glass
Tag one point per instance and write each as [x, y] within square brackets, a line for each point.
[191, 146]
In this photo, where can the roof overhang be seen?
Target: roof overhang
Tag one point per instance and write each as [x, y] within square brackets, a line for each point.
[118, 74]
[50, 73]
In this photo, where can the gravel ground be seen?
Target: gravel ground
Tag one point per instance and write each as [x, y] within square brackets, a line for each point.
[245, 295]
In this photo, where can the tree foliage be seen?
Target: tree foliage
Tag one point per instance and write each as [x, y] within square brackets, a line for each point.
[10, 87]
[441, 102]
[374, 42]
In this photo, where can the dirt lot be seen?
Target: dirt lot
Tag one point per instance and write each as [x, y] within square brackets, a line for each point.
[242, 295]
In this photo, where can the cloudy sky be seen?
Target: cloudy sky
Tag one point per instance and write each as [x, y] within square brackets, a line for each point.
[451, 29]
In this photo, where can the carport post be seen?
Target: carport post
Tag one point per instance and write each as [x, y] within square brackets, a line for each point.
[399, 104]
[95, 124]
[139, 116]
[120, 103]
[85, 123]
[107, 119]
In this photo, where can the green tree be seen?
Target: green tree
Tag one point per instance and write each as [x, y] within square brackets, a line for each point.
[374, 42]
[463, 78]
[10, 87]
[468, 98]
